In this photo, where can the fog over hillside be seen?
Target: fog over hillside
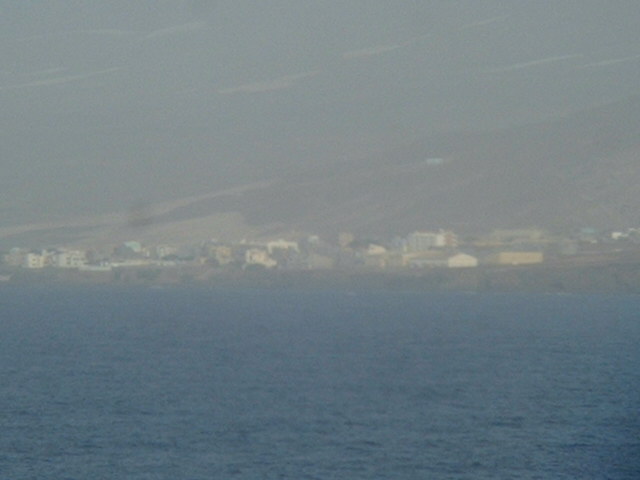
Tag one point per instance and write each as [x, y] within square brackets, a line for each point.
[366, 115]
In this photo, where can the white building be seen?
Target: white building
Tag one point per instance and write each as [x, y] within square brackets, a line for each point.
[423, 241]
[33, 260]
[70, 259]
[257, 256]
[462, 260]
[282, 245]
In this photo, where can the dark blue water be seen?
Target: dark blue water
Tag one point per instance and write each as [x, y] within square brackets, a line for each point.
[101, 383]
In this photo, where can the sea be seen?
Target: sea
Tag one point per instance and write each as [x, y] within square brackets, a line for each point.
[139, 382]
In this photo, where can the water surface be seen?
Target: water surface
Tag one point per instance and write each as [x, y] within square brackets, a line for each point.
[149, 383]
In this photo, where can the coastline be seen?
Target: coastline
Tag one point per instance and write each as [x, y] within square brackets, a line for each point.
[618, 278]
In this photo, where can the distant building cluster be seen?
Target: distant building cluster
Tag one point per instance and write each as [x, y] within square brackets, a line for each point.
[417, 250]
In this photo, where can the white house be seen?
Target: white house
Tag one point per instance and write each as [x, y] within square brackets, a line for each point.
[282, 245]
[423, 241]
[33, 260]
[462, 260]
[70, 259]
[257, 256]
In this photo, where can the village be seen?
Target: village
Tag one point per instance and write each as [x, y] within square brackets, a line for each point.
[419, 250]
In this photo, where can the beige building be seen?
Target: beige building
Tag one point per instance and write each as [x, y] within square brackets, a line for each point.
[516, 258]
[462, 260]
[33, 260]
[257, 256]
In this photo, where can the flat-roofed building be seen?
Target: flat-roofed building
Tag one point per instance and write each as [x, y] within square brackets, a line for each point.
[282, 245]
[462, 260]
[70, 259]
[516, 258]
[33, 260]
[423, 241]
[258, 256]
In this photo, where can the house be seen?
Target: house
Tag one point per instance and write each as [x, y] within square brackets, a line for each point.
[33, 260]
[281, 244]
[70, 259]
[423, 241]
[462, 260]
[258, 256]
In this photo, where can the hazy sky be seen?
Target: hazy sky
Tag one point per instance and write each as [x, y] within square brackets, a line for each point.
[105, 104]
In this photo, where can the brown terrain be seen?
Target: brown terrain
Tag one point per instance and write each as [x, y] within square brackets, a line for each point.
[578, 171]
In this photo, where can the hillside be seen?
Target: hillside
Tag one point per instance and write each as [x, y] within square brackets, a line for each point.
[577, 171]
[582, 170]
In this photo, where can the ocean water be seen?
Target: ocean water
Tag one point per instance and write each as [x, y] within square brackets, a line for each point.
[188, 383]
